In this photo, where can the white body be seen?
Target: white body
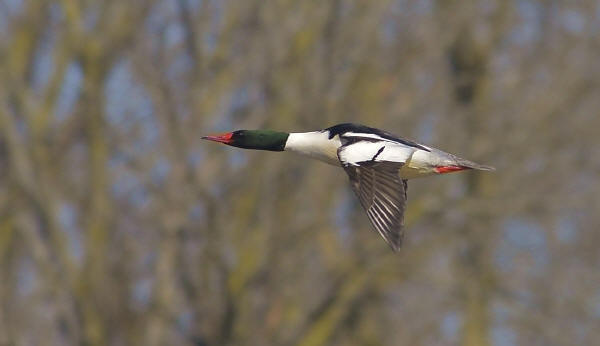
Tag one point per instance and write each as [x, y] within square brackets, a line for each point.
[318, 145]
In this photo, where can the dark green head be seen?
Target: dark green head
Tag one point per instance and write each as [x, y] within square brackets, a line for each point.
[252, 139]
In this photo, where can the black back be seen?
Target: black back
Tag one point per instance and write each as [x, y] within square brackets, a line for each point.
[340, 129]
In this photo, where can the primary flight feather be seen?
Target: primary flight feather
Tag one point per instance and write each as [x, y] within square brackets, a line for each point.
[377, 163]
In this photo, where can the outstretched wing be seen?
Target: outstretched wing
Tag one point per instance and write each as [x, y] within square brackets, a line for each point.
[382, 194]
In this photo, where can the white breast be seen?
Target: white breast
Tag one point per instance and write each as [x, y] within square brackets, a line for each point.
[375, 151]
[316, 145]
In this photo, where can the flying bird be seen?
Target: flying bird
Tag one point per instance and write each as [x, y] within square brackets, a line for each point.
[377, 163]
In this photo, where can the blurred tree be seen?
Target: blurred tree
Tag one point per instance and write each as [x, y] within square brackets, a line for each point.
[118, 226]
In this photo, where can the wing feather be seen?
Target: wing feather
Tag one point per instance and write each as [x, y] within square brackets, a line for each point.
[382, 194]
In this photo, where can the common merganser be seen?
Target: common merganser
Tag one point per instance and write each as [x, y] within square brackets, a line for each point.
[377, 163]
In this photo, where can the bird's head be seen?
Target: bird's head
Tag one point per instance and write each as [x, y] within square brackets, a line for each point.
[252, 139]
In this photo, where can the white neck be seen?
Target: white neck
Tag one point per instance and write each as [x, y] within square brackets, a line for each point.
[316, 145]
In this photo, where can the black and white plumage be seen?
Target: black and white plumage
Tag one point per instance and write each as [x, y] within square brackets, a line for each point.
[382, 194]
[378, 165]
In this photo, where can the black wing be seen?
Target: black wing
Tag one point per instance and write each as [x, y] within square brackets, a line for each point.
[383, 196]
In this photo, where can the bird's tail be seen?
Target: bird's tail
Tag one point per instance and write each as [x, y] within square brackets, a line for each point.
[472, 165]
[444, 162]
